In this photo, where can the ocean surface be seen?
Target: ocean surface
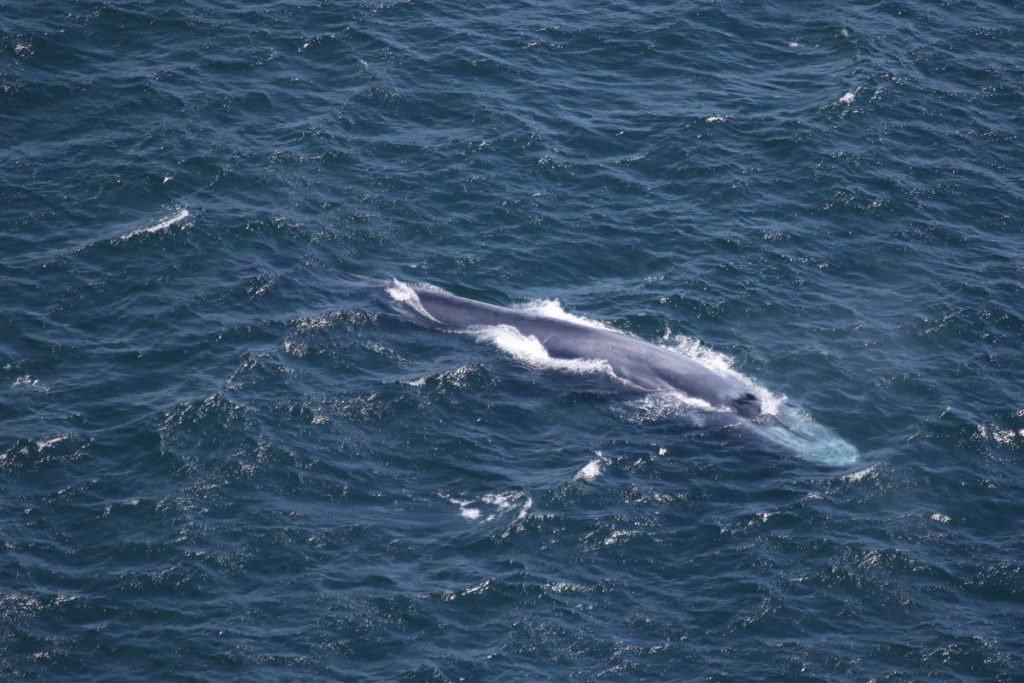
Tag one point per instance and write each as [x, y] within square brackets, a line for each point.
[222, 457]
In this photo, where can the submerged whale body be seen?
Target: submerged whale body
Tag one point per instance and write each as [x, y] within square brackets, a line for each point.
[634, 361]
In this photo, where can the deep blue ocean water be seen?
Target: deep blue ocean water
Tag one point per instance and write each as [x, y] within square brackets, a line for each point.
[223, 459]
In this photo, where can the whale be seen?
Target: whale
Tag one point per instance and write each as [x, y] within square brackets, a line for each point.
[633, 361]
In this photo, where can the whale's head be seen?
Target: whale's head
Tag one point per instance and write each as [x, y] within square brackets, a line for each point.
[747, 405]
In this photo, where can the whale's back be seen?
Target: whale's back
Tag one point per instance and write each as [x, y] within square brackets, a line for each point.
[642, 364]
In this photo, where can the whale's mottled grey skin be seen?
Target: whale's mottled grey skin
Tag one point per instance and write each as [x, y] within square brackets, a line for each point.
[645, 365]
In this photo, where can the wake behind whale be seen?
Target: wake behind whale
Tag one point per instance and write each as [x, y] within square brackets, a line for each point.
[551, 338]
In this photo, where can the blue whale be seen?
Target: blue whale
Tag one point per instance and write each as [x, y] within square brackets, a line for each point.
[633, 360]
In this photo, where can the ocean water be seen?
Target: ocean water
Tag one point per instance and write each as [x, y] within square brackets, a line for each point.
[223, 458]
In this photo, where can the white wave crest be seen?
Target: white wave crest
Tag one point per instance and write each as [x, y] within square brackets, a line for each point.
[495, 504]
[590, 471]
[164, 223]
